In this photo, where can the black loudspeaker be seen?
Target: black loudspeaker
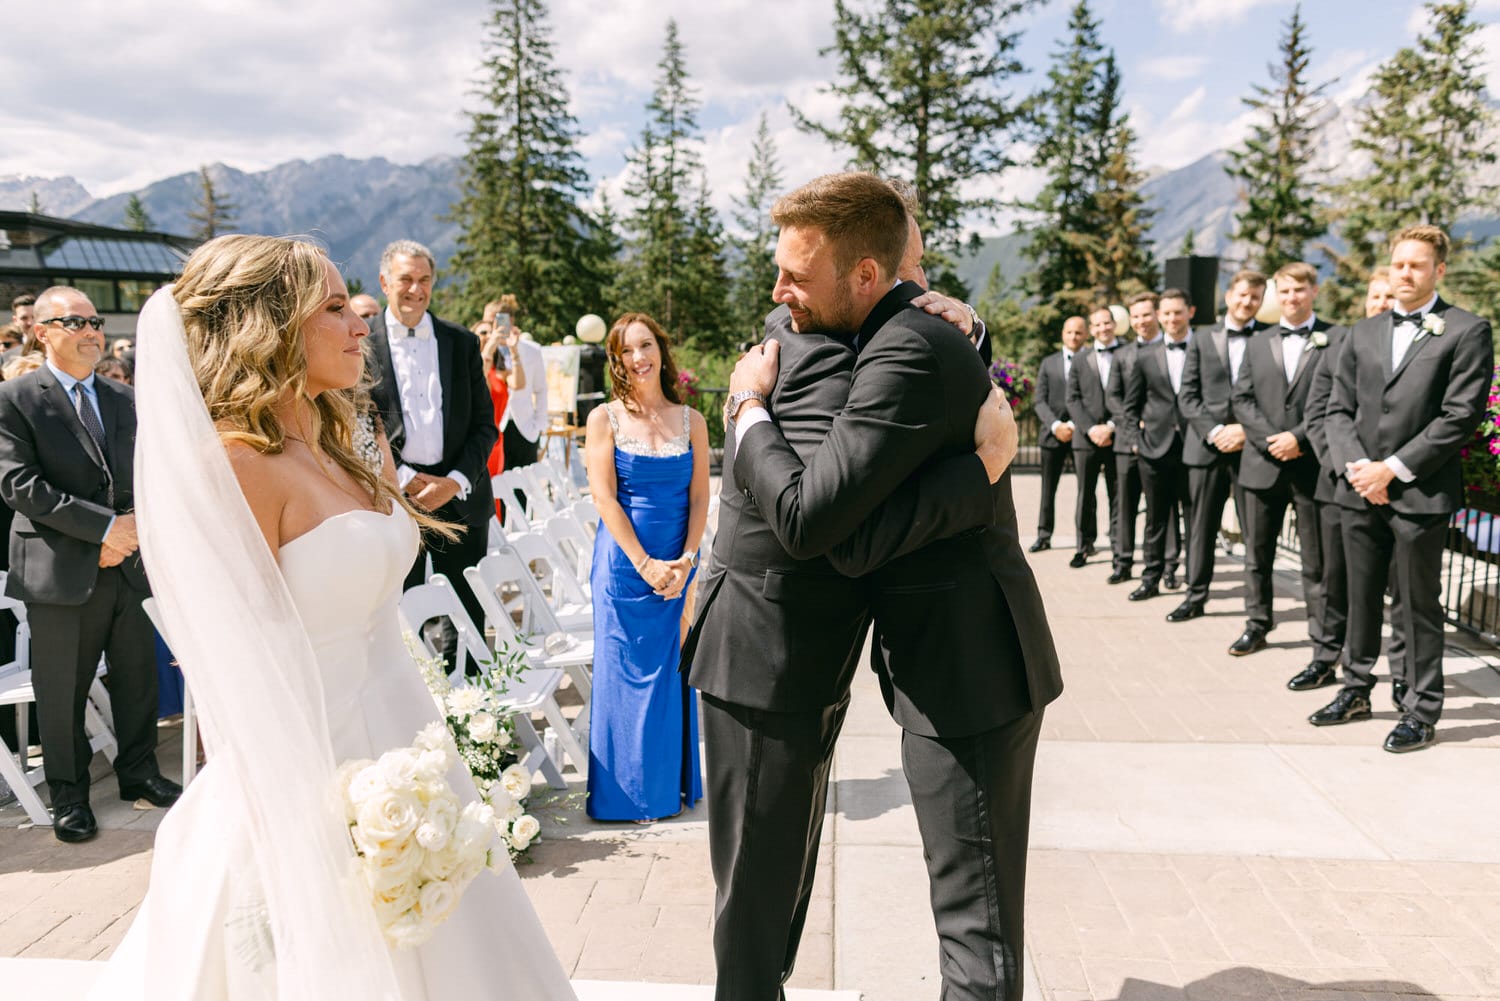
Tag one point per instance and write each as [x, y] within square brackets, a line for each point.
[1200, 276]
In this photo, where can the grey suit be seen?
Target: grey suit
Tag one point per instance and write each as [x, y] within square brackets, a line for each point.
[1087, 406]
[1421, 410]
[1129, 489]
[1051, 408]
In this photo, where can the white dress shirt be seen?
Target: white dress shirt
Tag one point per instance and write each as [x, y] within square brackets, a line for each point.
[1176, 360]
[414, 362]
[1067, 368]
[1237, 346]
[1106, 359]
[1403, 336]
[1293, 343]
[90, 399]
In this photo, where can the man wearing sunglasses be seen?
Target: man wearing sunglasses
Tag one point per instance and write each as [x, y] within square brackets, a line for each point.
[67, 443]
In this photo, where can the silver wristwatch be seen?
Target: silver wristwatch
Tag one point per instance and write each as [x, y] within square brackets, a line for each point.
[732, 405]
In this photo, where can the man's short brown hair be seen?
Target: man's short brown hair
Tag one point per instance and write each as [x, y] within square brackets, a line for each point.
[1430, 235]
[1253, 278]
[25, 299]
[1380, 274]
[1141, 297]
[1297, 271]
[859, 214]
[1177, 293]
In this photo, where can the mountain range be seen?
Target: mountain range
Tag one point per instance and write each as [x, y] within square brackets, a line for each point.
[355, 207]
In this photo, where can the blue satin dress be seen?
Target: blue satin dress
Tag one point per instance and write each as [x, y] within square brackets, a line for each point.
[643, 725]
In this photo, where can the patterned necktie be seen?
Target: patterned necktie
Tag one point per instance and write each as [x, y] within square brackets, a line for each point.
[88, 416]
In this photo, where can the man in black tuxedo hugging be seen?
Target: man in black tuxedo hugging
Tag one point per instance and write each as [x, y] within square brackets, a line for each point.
[963, 651]
[1404, 404]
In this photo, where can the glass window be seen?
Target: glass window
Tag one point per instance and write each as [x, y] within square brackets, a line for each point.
[133, 294]
[100, 293]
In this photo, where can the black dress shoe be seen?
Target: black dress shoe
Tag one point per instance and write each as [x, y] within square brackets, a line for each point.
[1347, 705]
[1170, 582]
[158, 790]
[1398, 693]
[1078, 560]
[74, 824]
[1118, 577]
[1250, 641]
[1411, 734]
[1039, 545]
[1148, 589]
[1314, 675]
[1187, 610]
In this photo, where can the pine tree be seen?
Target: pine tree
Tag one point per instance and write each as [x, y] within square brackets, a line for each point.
[603, 255]
[1280, 215]
[136, 216]
[1012, 328]
[522, 228]
[1120, 259]
[673, 267]
[921, 84]
[1423, 132]
[755, 247]
[34, 206]
[214, 213]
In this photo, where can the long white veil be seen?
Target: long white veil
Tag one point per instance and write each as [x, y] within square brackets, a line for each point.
[246, 655]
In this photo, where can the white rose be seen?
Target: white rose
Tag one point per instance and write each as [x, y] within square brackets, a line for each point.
[441, 864]
[437, 900]
[389, 816]
[524, 831]
[393, 899]
[388, 868]
[499, 799]
[368, 781]
[463, 701]
[517, 781]
[437, 825]
[432, 737]
[482, 727]
[431, 766]
[408, 932]
[514, 812]
[475, 829]
[400, 767]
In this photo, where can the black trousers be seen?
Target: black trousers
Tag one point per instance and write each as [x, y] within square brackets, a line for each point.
[451, 559]
[1128, 494]
[518, 450]
[972, 797]
[767, 786]
[1090, 464]
[1380, 542]
[1265, 513]
[1328, 645]
[1164, 481]
[66, 643]
[1053, 462]
[1209, 487]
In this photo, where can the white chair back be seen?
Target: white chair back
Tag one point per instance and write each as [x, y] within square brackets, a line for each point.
[513, 491]
[550, 569]
[572, 541]
[436, 599]
[586, 514]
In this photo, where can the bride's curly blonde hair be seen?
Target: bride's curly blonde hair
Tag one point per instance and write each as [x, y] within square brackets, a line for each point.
[243, 301]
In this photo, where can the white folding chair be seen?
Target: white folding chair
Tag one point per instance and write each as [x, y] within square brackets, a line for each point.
[532, 691]
[189, 711]
[572, 542]
[499, 573]
[569, 595]
[564, 480]
[550, 485]
[587, 515]
[512, 492]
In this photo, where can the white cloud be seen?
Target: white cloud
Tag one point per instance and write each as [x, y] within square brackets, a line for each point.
[1185, 134]
[1184, 16]
[1176, 69]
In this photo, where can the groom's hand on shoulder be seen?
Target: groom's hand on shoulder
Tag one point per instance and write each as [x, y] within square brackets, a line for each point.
[997, 439]
[756, 369]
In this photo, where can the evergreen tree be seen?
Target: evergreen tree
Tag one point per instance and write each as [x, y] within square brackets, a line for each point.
[921, 84]
[34, 206]
[1120, 259]
[214, 213]
[136, 216]
[522, 229]
[755, 247]
[1280, 215]
[1189, 245]
[603, 254]
[1423, 132]
[1474, 279]
[1012, 328]
[673, 267]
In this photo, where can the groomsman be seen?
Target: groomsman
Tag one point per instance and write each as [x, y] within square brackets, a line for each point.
[1057, 429]
[1214, 439]
[1278, 467]
[1151, 407]
[1142, 308]
[1093, 450]
[1403, 408]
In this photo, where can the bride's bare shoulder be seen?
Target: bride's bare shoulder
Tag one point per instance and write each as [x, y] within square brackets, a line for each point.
[265, 480]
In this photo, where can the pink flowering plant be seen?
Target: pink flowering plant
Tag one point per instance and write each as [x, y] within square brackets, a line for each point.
[687, 379]
[1013, 382]
[1481, 456]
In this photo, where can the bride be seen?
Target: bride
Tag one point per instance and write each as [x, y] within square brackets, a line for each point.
[277, 557]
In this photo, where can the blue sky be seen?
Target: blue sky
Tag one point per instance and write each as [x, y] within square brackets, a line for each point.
[252, 83]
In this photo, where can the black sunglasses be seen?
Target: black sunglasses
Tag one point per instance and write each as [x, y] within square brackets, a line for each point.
[77, 322]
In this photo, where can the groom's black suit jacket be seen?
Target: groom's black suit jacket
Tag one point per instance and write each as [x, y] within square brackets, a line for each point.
[963, 643]
[1423, 410]
[469, 430]
[784, 634]
[63, 491]
[1266, 404]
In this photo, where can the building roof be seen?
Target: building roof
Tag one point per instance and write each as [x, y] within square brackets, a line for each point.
[48, 247]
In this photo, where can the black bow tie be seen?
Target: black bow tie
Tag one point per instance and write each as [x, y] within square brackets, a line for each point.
[1245, 332]
[1408, 317]
[1105, 351]
[1299, 331]
[1177, 345]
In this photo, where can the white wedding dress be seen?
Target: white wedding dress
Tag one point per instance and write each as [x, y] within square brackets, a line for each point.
[202, 932]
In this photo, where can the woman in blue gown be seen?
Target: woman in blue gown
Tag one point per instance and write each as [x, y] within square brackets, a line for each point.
[647, 458]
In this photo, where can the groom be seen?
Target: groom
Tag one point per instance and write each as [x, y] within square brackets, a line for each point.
[962, 650]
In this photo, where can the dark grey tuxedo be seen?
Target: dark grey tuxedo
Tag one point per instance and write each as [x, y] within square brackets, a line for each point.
[469, 435]
[1128, 489]
[962, 648]
[1088, 406]
[1151, 409]
[65, 493]
[1422, 409]
[1051, 408]
[1267, 404]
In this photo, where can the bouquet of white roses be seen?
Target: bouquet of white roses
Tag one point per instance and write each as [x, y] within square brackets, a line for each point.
[418, 846]
[484, 733]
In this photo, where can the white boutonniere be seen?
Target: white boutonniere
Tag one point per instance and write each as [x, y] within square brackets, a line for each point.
[1318, 339]
[1432, 324]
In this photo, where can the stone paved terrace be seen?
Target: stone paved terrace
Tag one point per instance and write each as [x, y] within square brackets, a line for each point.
[1192, 837]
